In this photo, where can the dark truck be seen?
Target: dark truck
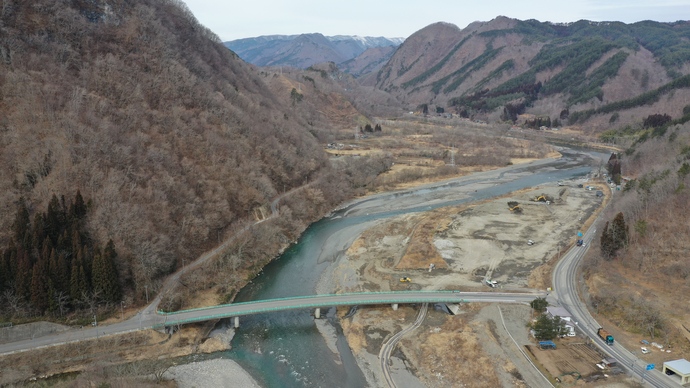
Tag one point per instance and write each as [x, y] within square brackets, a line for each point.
[603, 334]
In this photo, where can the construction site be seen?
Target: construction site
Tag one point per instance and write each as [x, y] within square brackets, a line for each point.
[502, 244]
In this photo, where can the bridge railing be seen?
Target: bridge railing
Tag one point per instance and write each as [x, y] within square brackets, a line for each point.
[306, 297]
[174, 318]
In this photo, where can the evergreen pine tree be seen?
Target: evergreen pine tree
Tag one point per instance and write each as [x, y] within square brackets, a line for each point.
[619, 232]
[105, 279]
[87, 264]
[22, 224]
[78, 210]
[64, 243]
[77, 281]
[52, 299]
[76, 240]
[113, 290]
[24, 272]
[39, 231]
[54, 219]
[606, 243]
[40, 285]
[5, 268]
[12, 262]
[63, 273]
[58, 274]
[46, 248]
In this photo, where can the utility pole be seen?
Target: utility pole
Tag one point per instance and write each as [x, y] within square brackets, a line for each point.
[122, 309]
[147, 293]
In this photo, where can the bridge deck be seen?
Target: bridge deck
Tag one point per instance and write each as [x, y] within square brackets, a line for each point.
[351, 299]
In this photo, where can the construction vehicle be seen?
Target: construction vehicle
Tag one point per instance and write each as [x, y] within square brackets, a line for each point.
[513, 206]
[543, 198]
[603, 334]
[405, 279]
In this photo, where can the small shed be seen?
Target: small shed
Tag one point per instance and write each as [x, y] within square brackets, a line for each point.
[680, 367]
[609, 362]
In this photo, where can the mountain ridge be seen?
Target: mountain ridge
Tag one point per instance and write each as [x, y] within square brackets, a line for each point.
[506, 67]
[304, 50]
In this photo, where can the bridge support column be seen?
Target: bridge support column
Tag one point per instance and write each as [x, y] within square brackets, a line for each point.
[237, 322]
[395, 306]
[317, 313]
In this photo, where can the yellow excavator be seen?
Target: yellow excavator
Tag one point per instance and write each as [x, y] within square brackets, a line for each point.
[514, 207]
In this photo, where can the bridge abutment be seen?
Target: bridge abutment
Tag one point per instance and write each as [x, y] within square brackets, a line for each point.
[395, 306]
[317, 313]
[237, 322]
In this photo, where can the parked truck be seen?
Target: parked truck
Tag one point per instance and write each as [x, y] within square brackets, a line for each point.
[603, 334]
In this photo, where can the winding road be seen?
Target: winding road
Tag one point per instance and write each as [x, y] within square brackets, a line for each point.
[565, 285]
[565, 274]
[388, 346]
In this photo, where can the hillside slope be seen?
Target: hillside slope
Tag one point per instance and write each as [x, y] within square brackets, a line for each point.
[642, 285]
[171, 139]
[302, 51]
[501, 69]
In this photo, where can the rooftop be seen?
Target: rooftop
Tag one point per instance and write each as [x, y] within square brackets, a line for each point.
[682, 366]
[558, 311]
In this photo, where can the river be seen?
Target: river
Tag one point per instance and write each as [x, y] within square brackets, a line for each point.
[286, 349]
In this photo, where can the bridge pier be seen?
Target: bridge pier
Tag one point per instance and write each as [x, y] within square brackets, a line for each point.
[237, 322]
[317, 313]
[395, 306]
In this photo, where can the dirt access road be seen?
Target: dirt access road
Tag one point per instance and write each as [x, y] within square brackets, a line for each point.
[466, 244]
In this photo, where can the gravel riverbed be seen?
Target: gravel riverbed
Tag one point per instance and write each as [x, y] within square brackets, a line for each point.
[218, 373]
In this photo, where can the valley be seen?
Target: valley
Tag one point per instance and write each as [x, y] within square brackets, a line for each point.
[146, 169]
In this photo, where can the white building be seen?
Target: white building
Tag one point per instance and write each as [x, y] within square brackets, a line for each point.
[565, 316]
[680, 368]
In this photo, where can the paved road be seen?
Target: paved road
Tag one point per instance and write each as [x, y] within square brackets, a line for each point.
[145, 320]
[353, 299]
[565, 282]
[387, 348]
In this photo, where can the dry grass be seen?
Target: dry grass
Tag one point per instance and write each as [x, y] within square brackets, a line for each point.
[106, 351]
[420, 252]
[449, 354]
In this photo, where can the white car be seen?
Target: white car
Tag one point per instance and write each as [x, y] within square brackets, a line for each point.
[644, 350]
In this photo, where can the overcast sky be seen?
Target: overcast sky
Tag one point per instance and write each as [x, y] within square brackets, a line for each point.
[401, 18]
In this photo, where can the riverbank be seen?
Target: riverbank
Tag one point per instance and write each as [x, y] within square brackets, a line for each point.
[467, 245]
[217, 373]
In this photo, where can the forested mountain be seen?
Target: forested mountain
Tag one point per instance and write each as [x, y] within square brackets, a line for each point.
[170, 138]
[302, 51]
[500, 69]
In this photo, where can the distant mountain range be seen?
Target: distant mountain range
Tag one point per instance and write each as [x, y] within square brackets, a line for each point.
[605, 73]
[302, 51]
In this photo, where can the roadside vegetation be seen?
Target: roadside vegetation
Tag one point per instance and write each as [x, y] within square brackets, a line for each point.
[639, 265]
